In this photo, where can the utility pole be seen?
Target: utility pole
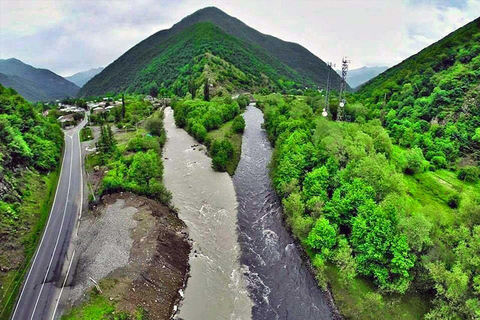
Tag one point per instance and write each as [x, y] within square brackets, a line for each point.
[123, 106]
[326, 110]
[343, 90]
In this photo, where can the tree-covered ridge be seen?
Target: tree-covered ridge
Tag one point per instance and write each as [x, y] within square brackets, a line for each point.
[432, 99]
[359, 203]
[291, 54]
[30, 150]
[35, 84]
[177, 59]
[27, 140]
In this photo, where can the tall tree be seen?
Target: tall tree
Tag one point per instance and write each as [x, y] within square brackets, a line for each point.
[206, 91]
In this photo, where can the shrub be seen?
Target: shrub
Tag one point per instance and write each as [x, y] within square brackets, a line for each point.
[222, 152]
[415, 162]
[438, 162]
[243, 101]
[154, 126]
[453, 200]
[470, 174]
[199, 132]
[143, 143]
[238, 124]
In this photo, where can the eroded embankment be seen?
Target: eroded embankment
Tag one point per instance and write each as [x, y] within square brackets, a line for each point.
[137, 250]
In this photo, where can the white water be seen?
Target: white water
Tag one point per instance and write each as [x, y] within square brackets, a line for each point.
[206, 201]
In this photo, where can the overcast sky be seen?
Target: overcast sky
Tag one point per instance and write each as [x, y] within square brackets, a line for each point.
[71, 36]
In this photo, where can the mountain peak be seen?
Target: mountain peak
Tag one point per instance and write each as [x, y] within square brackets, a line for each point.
[13, 60]
[162, 58]
[33, 83]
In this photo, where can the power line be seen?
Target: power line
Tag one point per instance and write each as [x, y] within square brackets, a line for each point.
[326, 110]
[343, 90]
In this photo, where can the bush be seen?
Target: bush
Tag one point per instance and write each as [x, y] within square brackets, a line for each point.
[222, 152]
[154, 126]
[243, 101]
[199, 132]
[470, 174]
[143, 143]
[438, 162]
[453, 200]
[238, 125]
[415, 162]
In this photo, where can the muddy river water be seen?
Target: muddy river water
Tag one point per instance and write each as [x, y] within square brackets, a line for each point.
[244, 263]
[207, 203]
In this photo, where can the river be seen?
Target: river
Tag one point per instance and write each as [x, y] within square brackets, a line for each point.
[206, 201]
[281, 286]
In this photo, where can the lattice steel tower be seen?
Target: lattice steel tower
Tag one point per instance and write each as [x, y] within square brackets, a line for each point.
[343, 90]
[326, 110]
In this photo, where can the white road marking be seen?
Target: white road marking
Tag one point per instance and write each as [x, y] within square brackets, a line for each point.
[63, 286]
[78, 223]
[58, 236]
[41, 241]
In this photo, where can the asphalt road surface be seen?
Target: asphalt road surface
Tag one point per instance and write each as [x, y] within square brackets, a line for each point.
[46, 278]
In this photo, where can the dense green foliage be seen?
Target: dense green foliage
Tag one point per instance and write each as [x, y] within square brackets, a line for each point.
[199, 117]
[30, 150]
[134, 165]
[238, 124]
[27, 139]
[86, 134]
[347, 197]
[173, 60]
[432, 99]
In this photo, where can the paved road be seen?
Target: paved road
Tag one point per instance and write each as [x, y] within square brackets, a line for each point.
[46, 278]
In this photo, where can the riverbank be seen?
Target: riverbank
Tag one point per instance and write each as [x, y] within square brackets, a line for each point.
[137, 251]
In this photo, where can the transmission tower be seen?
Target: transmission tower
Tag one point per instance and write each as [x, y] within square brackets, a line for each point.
[326, 110]
[343, 90]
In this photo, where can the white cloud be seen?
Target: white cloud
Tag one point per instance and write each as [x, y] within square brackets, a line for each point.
[72, 36]
[20, 18]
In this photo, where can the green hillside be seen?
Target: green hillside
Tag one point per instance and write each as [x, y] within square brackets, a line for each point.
[432, 99]
[392, 239]
[34, 84]
[30, 149]
[170, 59]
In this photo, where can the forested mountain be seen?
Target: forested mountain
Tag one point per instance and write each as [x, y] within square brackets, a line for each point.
[356, 77]
[35, 84]
[387, 202]
[170, 59]
[80, 78]
[432, 99]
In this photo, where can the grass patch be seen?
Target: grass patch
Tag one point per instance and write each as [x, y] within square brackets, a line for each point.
[86, 134]
[101, 306]
[122, 136]
[359, 300]
[226, 132]
[92, 160]
[37, 201]
[95, 307]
